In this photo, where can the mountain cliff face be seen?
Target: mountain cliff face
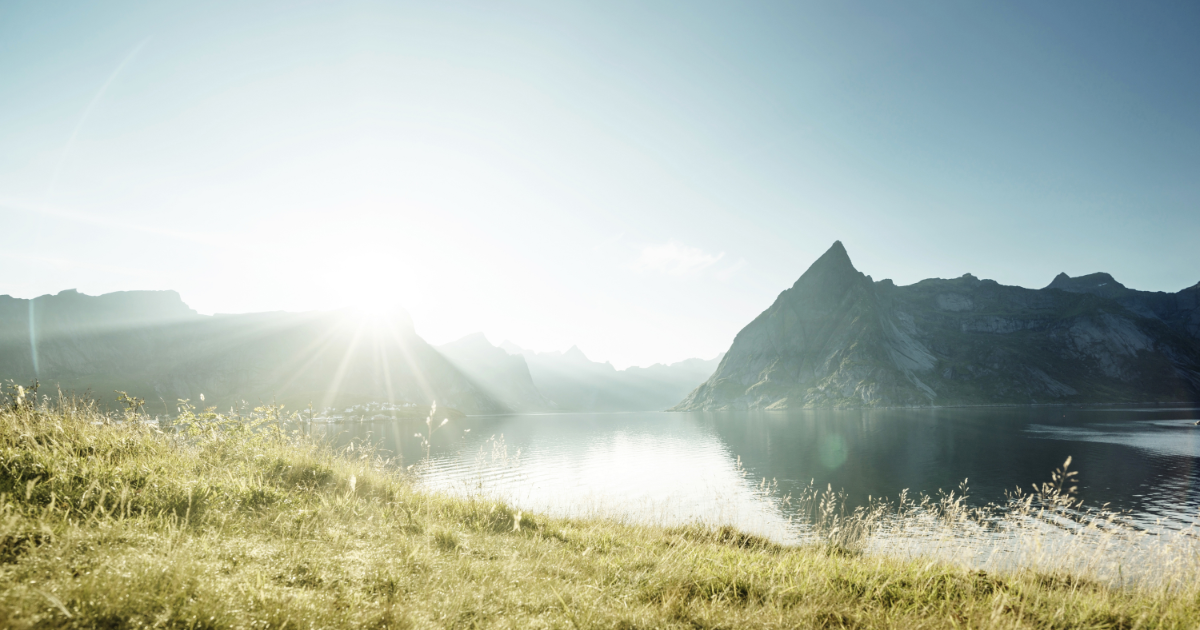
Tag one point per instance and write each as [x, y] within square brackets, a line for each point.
[838, 339]
[152, 345]
[502, 376]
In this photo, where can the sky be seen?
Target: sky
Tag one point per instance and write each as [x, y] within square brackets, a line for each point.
[640, 179]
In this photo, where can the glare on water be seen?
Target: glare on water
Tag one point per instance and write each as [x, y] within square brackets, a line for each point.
[753, 470]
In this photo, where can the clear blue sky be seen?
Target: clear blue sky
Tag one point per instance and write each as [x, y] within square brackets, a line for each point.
[640, 179]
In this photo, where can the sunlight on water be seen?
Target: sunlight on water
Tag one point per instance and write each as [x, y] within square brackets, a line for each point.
[752, 470]
[1173, 437]
[681, 475]
[678, 467]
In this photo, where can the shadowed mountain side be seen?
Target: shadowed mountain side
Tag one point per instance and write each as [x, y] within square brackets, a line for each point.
[502, 376]
[1179, 310]
[117, 341]
[838, 339]
[575, 383]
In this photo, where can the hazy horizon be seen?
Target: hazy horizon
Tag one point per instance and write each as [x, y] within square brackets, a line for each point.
[637, 180]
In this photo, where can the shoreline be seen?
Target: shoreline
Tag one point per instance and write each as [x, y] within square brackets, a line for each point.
[221, 526]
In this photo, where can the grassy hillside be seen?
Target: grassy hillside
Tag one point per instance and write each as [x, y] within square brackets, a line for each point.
[236, 523]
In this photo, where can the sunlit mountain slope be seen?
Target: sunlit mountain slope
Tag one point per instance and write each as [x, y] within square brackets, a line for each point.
[152, 344]
[502, 376]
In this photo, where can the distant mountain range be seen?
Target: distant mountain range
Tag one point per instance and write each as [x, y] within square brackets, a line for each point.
[501, 375]
[152, 345]
[575, 383]
[569, 381]
[838, 339]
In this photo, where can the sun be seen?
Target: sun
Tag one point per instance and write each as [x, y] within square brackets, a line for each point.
[370, 285]
[377, 306]
[380, 317]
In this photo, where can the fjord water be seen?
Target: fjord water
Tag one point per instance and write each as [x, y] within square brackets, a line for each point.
[740, 467]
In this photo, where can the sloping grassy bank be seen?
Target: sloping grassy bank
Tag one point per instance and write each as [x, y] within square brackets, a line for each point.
[109, 524]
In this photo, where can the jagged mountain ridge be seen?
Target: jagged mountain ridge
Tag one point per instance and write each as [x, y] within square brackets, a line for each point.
[503, 376]
[152, 345]
[836, 338]
[1180, 310]
[572, 382]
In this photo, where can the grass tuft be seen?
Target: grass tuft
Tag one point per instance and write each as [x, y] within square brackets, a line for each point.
[233, 522]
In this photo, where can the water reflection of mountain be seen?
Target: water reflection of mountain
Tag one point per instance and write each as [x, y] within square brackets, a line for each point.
[882, 452]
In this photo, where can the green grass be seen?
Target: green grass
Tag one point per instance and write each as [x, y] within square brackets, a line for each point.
[109, 524]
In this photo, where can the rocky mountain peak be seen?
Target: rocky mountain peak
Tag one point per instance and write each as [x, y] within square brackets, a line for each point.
[474, 341]
[576, 354]
[1099, 283]
[832, 272]
[834, 258]
[836, 340]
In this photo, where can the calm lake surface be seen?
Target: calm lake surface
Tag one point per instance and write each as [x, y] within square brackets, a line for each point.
[739, 468]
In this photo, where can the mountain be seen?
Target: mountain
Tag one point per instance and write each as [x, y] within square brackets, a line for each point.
[502, 376]
[152, 345]
[837, 338]
[1179, 310]
[662, 384]
[572, 382]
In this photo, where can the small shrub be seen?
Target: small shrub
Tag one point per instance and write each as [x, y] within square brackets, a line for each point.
[446, 540]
